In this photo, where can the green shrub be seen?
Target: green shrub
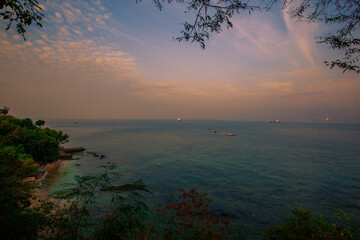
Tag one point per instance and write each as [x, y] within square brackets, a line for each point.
[303, 225]
[17, 219]
[74, 221]
[41, 144]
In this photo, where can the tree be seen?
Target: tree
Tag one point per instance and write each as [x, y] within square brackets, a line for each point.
[40, 123]
[21, 12]
[303, 224]
[17, 219]
[5, 110]
[41, 144]
[343, 13]
[211, 16]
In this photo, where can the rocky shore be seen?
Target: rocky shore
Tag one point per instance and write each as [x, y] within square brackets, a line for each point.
[67, 153]
[49, 171]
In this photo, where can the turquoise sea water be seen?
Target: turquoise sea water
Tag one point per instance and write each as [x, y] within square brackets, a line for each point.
[253, 178]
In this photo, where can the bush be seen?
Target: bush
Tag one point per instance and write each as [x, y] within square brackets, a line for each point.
[192, 218]
[41, 144]
[74, 221]
[17, 219]
[303, 225]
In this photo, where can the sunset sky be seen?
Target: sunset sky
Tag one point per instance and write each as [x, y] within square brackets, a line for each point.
[117, 59]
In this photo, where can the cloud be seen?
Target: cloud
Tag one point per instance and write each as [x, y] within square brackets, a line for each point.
[65, 69]
[58, 16]
[259, 70]
[276, 41]
[303, 35]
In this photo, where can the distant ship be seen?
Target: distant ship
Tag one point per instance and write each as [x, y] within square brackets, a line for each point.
[229, 134]
[274, 121]
[324, 119]
[179, 119]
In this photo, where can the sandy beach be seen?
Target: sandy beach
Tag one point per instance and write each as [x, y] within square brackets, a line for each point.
[53, 171]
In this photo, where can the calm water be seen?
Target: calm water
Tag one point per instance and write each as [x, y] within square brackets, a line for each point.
[254, 178]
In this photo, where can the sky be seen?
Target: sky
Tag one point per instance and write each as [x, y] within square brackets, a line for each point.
[115, 59]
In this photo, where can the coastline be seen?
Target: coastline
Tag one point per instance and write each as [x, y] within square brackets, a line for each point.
[53, 171]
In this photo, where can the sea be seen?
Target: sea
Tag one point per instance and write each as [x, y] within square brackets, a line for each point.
[253, 178]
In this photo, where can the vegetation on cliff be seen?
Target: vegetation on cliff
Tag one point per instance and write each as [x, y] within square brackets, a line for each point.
[28, 138]
[22, 147]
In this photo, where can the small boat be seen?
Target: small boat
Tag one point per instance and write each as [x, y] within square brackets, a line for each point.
[179, 119]
[229, 134]
[324, 119]
[274, 121]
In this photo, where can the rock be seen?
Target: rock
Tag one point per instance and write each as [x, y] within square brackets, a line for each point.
[72, 150]
[66, 156]
[102, 156]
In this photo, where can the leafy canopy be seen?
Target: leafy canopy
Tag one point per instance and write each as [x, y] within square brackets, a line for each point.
[22, 13]
[4, 111]
[41, 144]
[212, 16]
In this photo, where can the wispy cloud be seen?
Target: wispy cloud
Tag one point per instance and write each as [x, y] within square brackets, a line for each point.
[258, 70]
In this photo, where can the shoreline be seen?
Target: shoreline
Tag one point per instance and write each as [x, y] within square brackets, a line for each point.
[52, 171]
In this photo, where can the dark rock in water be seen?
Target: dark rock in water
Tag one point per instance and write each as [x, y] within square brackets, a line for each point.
[72, 150]
[225, 214]
[65, 156]
[215, 132]
[96, 155]
[102, 156]
[77, 164]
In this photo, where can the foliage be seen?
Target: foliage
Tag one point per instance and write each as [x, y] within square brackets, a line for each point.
[40, 123]
[345, 14]
[303, 225]
[192, 218]
[74, 221]
[41, 144]
[15, 195]
[211, 16]
[4, 111]
[21, 12]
